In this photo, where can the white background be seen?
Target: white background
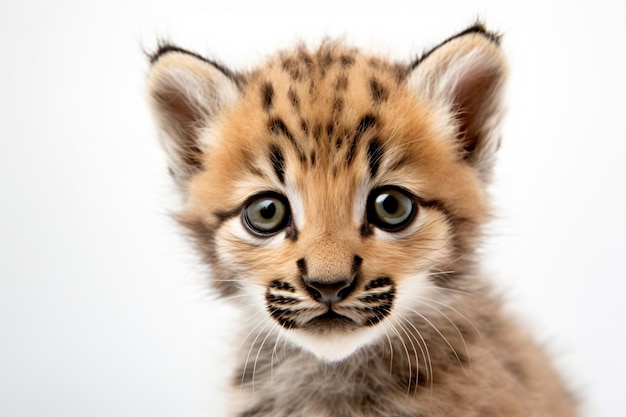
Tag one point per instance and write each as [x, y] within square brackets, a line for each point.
[103, 307]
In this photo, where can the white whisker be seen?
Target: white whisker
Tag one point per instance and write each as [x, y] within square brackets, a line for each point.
[406, 351]
[425, 352]
[390, 354]
[256, 359]
[453, 325]
[454, 310]
[440, 334]
[245, 366]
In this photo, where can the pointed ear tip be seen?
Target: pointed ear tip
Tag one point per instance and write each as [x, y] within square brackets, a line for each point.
[167, 63]
[479, 28]
[165, 48]
[488, 48]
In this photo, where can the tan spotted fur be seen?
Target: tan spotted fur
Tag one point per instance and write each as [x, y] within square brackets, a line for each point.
[418, 332]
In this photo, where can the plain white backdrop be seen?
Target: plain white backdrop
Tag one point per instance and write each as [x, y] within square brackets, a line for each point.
[104, 309]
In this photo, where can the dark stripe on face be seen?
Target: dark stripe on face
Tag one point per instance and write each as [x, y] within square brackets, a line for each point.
[280, 300]
[226, 215]
[374, 156]
[330, 129]
[325, 61]
[351, 151]
[337, 107]
[379, 283]
[292, 67]
[277, 127]
[278, 162]
[380, 94]
[342, 83]
[282, 316]
[294, 100]
[317, 131]
[282, 285]
[304, 126]
[302, 266]
[365, 124]
[308, 61]
[267, 96]
[356, 263]
[347, 61]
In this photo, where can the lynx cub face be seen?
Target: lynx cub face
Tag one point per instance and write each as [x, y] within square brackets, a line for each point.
[338, 197]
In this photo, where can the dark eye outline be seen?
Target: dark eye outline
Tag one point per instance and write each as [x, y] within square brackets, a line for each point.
[374, 218]
[285, 221]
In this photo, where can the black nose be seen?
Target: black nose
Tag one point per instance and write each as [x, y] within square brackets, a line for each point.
[329, 292]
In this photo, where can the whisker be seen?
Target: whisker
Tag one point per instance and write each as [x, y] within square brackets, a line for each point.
[240, 281]
[390, 354]
[449, 290]
[425, 352]
[417, 361]
[441, 335]
[454, 310]
[406, 351]
[245, 366]
[256, 359]
[275, 353]
[453, 325]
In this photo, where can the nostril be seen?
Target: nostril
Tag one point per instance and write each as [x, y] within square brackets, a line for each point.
[329, 293]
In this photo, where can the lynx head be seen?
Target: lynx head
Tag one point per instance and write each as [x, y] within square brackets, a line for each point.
[331, 189]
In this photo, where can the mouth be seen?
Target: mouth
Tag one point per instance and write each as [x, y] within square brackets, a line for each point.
[332, 336]
[330, 320]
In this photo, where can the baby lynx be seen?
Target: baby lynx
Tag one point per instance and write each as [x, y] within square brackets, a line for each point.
[339, 198]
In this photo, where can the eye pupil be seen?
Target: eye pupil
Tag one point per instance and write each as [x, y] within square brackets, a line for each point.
[268, 209]
[390, 204]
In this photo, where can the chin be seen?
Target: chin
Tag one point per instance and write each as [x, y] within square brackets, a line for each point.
[334, 345]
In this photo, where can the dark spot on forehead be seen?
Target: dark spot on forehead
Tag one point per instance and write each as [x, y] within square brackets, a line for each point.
[346, 60]
[278, 163]
[337, 107]
[277, 127]
[294, 100]
[351, 151]
[306, 59]
[367, 122]
[267, 96]
[378, 91]
[374, 156]
[330, 128]
[325, 60]
[291, 67]
[317, 130]
[304, 126]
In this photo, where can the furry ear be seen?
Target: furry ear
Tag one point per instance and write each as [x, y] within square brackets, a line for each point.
[187, 92]
[465, 74]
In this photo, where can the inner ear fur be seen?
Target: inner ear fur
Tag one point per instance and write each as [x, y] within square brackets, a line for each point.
[466, 75]
[187, 92]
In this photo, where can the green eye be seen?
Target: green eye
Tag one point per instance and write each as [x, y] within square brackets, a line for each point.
[266, 214]
[390, 208]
